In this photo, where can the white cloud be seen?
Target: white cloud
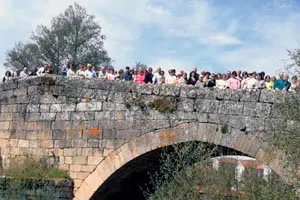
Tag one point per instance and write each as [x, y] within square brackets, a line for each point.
[221, 39]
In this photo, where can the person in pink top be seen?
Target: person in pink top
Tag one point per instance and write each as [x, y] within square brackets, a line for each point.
[140, 77]
[234, 83]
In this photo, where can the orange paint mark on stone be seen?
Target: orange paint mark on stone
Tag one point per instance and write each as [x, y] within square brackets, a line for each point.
[85, 100]
[94, 131]
[162, 144]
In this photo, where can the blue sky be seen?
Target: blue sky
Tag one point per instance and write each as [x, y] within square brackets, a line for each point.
[216, 35]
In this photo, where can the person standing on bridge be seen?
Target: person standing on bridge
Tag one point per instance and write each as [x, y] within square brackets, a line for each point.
[279, 83]
[234, 83]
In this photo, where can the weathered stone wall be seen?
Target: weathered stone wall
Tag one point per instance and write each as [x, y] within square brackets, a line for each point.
[82, 121]
[46, 189]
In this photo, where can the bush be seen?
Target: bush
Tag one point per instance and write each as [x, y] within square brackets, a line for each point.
[29, 167]
[162, 105]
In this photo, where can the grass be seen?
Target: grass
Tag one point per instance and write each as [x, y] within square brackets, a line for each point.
[27, 167]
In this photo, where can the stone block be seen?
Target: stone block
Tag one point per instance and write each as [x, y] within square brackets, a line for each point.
[63, 116]
[75, 168]
[257, 109]
[4, 125]
[63, 143]
[250, 95]
[13, 142]
[48, 144]
[4, 134]
[32, 135]
[123, 124]
[33, 144]
[82, 175]
[70, 152]
[185, 104]
[44, 108]
[79, 143]
[93, 143]
[231, 107]
[6, 117]
[47, 116]
[207, 106]
[68, 160]
[60, 125]
[169, 90]
[22, 143]
[44, 135]
[94, 160]
[58, 134]
[73, 134]
[87, 168]
[104, 115]
[33, 116]
[87, 151]
[33, 108]
[89, 106]
[54, 108]
[79, 160]
[5, 143]
[82, 115]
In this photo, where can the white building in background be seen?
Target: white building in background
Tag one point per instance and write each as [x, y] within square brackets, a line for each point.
[241, 162]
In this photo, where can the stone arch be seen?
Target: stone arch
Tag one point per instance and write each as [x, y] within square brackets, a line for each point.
[194, 131]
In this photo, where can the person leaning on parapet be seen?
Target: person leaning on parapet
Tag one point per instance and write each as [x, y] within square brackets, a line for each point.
[234, 83]
[156, 76]
[89, 73]
[260, 83]
[34, 71]
[80, 72]
[71, 71]
[148, 76]
[287, 84]
[252, 81]
[295, 84]
[279, 83]
[24, 73]
[269, 84]
[221, 83]
[195, 72]
[128, 74]
[102, 72]
[7, 76]
[211, 82]
[65, 68]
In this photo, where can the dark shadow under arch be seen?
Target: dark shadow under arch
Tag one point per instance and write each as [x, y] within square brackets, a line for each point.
[130, 180]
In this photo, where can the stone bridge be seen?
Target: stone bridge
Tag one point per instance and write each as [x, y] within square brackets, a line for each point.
[97, 127]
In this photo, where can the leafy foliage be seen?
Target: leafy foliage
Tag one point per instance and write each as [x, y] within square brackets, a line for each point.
[73, 35]
[179, 178]
[294, 67]
[162, 105]
[29, 167]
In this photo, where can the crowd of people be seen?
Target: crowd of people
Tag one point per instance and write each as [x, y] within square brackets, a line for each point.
[234, 80]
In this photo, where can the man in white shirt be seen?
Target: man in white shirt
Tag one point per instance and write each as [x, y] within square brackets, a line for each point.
[41, 70]
[24, 73]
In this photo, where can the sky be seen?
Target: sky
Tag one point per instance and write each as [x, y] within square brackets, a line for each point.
[215, 35]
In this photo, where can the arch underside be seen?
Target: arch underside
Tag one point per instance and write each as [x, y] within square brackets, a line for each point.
[131, 159]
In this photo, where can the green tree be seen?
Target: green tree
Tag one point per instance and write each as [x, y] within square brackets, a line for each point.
[140, 65]
[74, 35]
[23, 55]
[294, 66]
